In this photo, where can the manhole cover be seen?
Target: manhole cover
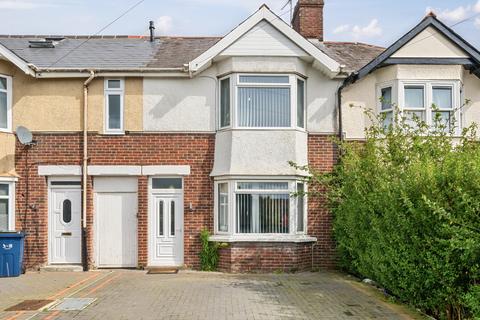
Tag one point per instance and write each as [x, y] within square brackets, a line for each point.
[29, 305]
[72, 304]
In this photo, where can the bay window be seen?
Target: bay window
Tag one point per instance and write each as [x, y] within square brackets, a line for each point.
[262, 101]
[5, 103]
[114, 96]
[260, 207]
[422, 100]
[7, 218]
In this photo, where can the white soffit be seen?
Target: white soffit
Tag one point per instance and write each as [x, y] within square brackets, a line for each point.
[59, 170]
[325, 63]
[166, 170]
[114, 170]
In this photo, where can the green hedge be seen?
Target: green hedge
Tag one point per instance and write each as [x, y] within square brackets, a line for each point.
[406, 207]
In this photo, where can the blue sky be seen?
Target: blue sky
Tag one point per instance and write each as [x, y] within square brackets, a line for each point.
[373, 21]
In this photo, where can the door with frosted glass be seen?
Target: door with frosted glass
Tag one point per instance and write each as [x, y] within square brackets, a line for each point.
[65, 226]
[166, 231]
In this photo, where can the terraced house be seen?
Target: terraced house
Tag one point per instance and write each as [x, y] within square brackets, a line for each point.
[139, 143]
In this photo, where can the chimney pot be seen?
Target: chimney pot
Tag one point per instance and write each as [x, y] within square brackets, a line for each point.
[308, 18]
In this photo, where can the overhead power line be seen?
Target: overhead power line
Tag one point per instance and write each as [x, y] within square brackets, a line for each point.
[97, 33]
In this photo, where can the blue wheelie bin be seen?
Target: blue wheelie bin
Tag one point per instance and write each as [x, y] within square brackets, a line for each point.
[11, 253]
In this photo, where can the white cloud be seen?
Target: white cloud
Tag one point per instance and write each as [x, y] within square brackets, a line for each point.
[369, 31]
[454, 15]
[341, 29]
[32, 4]
[164, 24]
[274, 5]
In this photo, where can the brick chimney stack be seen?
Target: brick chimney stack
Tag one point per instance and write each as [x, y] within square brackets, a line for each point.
[308, 18]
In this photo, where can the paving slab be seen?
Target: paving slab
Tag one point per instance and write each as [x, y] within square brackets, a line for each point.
[188, 295]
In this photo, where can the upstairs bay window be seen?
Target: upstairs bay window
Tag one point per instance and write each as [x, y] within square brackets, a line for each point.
[422, 100]
[262, 101]
[5, 103]
[260, 207]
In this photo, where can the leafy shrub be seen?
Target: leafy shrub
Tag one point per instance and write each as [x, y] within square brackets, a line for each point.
[209, 253]
[406, 207]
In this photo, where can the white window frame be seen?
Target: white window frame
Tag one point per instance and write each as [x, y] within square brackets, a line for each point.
[398, 97]
[233, 191]
[380, 87]
[220, 102]
[235, 84]
[9, 93]
[11, 202]
[114, 91]
[304, 103]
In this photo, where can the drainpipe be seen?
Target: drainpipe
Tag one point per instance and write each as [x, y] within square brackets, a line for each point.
[84, 170]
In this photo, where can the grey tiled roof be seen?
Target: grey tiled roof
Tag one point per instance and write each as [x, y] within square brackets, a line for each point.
[123, 52]
[353, 55]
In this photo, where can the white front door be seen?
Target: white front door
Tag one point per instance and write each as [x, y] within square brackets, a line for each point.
[65, 233]
[166, 230]
[116, 229]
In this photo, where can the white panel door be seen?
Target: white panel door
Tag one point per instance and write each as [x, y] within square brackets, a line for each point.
[116, 229]
[166, 231]
[65, 233]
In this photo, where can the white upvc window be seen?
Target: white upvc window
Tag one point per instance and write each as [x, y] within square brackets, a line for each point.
[7, 206]
[422, 99]
[262, 101]
[114, 106]
[259, 208]
[5, 103]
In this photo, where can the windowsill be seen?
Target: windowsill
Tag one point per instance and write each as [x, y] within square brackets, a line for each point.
[114, 133]
[297, 238]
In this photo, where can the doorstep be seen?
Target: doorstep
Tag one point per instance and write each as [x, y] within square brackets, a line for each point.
[62, 268]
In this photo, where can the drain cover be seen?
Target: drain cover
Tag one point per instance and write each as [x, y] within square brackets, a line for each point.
[72, 304]
[29, 305]
[162, 271]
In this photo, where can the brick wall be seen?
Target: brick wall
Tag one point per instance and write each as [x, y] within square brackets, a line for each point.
[196, 150]
[322, 156]
[265, 257]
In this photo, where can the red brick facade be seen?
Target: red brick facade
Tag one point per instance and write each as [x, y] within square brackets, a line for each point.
[308, 18]
[266, 257]
[195, 150]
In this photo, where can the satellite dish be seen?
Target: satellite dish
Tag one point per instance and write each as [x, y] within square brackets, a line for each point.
[24, 135]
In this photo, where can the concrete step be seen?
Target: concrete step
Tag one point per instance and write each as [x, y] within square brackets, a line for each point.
[62, 268]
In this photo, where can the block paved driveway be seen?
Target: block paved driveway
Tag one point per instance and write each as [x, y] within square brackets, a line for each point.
[123, 294]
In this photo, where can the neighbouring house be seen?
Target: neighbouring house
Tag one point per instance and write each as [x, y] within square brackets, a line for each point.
[139, 143]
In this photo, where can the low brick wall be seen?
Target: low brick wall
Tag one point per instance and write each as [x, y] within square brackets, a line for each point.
[265, 257]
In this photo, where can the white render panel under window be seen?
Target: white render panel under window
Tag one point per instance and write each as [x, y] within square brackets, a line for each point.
[114, 108]
[5, 103]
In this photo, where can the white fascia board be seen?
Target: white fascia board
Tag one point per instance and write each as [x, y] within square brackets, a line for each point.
[114, 170]
[59, 170]
[330, 66]
[166, 170]
[16, 60]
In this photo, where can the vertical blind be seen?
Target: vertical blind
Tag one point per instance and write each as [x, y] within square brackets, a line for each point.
[264, 107]
[262, 213]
